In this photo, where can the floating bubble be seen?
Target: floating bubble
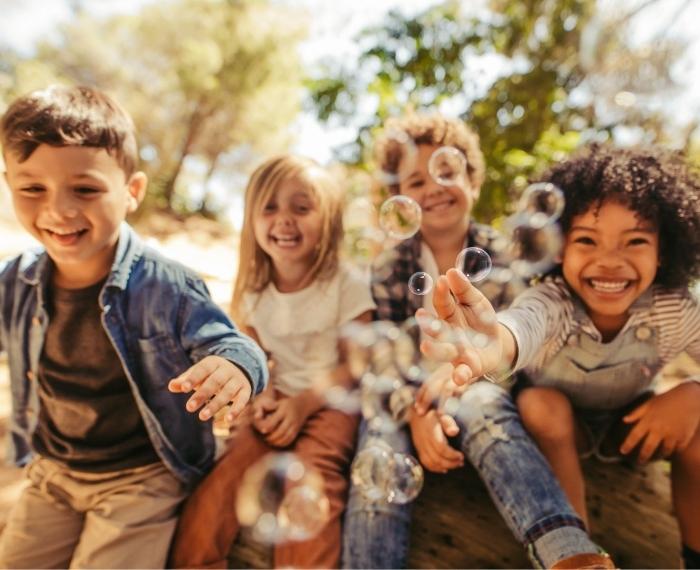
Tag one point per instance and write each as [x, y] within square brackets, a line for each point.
[420, 283]
[364, 244]
[447, 166]
[370, 470]
[282, 499]
[474, 263]
[534, 250]
[400, 217]
[376, 402]
[399, 144]
[541, 204]
[406, 479]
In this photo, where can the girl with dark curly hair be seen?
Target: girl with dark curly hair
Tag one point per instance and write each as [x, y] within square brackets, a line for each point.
[592, 336]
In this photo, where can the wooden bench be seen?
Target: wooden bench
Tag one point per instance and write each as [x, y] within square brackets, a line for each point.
[455, 525]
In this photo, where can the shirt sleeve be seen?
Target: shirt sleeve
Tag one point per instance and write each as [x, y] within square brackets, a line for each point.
[533, 319]
[689, 328]
[206, 330]
[355, 295]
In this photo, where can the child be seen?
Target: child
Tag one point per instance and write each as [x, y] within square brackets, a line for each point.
[376, 534]
[593, 336]
[293, 295]
[95, 325]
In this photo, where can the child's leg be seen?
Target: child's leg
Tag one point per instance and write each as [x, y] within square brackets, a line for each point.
[376, 534]
[130, 517]
[208, 524]
[685, 481]
[549, 418]
[327, 442]
[519, 479]
[42, 529]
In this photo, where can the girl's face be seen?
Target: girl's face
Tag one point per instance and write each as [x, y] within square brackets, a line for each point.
[288, 228]
[610, 258]
[444, 207]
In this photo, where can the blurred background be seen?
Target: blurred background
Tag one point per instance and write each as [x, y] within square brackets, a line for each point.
[215, 86]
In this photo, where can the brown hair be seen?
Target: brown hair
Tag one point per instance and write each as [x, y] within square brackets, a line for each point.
[433, 129]
[254, 265]
[69, 116]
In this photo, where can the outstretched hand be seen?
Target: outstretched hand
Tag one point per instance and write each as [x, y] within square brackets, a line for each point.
[216, 382]
[474, 346]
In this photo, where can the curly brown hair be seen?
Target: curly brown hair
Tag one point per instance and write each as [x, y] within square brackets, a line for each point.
[660, 186]
[69, 116]
[429, 129]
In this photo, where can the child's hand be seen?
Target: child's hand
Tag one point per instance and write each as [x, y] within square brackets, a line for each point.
[465, 308]
[429, 433]
[669, 420]
[263, 404]
[437, 388]
[216, 382]
[282, 426]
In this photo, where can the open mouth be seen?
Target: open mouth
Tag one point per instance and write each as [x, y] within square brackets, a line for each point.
[286, 241]
[65, 237]
[440, 206]
[609, 286]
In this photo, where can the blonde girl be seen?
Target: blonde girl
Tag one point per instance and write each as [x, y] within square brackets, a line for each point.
[292, 295]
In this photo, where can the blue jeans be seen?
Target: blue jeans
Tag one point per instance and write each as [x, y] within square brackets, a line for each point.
[518, 477]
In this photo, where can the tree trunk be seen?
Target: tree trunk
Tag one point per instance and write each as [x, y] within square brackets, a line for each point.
[192, 130]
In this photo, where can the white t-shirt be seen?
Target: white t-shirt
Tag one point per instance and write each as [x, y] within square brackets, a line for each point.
[301, 329]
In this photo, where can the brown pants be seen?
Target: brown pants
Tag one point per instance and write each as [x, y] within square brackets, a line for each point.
[208, 525]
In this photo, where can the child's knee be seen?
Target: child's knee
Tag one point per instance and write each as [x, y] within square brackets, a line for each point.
[546, 413]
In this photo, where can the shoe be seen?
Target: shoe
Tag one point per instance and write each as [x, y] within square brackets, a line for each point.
[584, 561]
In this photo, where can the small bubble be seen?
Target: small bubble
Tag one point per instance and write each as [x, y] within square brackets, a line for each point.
[420, 283]
[400, 217]
[474, 263]
[541, 204]
[447, 165]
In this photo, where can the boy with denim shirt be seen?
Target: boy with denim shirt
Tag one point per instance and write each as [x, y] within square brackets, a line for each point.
[105, 338]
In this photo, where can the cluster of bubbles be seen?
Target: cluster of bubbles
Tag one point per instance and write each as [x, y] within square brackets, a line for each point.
[282, 499]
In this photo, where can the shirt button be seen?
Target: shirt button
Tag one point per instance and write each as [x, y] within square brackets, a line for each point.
[572, 340]
[642, 333]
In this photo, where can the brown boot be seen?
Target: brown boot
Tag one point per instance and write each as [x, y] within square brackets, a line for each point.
[585, 561]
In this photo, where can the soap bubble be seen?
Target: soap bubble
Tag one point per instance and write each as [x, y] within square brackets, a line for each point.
[398, 143]
[541, 204]
[474, 263]
[370, 470]
[420, 283]
[400, 217]
[406, 479]
[282, 499]
[447, 166]
[534, 250]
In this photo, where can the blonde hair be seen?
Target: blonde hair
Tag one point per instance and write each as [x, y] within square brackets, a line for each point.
[429, 129]
[254, 265]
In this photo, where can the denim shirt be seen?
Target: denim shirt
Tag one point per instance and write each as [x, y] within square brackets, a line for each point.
[160, 319]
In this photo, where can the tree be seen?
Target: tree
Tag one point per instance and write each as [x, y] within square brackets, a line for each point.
[514, 71]
[200, 77]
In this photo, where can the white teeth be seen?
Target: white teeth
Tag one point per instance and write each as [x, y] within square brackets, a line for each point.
[609, 286]
[64, 233]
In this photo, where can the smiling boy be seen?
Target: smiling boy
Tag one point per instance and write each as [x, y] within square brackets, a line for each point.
[98, 328]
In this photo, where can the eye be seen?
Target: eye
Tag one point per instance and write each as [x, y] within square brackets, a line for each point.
[416, 183]
[269, 208]
[86, 190]
[31, 190]
[584, 240]
[302, 208]
[638, 241]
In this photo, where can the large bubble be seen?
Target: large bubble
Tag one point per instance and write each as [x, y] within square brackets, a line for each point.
[474, 263]
[448, 166]
[400, 217]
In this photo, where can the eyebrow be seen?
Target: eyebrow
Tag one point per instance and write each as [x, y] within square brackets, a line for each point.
[642, 229]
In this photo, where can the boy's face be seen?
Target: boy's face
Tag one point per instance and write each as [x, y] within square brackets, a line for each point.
[444, 207]
[73, 200]
[610, 258]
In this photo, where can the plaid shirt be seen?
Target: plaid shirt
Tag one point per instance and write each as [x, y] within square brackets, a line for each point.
[392, 270]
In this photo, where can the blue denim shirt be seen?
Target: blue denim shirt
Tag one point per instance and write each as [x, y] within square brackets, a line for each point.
[159, 317]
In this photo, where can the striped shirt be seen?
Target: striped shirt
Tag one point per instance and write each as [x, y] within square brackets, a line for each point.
[545, 316]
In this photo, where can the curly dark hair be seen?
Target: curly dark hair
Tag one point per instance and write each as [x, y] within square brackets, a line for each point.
[660, 186]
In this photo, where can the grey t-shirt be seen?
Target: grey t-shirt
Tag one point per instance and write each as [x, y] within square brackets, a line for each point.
[88, 418]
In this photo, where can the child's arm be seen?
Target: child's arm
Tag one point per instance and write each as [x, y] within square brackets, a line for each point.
[465, 308]
[282, 426]
[229, 365]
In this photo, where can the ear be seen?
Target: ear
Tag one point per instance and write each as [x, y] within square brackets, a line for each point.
[136, 186]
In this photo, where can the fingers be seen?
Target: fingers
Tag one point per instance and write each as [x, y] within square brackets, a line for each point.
[194, 375]
[449, 425]
[443, 302]
[464, 292]
[634, 437]
[270, 422]
[651, 443]
[637, 413]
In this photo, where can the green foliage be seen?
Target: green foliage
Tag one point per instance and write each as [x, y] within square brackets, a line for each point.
[535, 108]
[201, 78]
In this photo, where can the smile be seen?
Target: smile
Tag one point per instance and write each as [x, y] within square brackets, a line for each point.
[286, 241]
[606, 286]
[440, 206]
[65, 237]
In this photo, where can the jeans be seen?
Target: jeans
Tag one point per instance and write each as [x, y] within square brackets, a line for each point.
[518, 477]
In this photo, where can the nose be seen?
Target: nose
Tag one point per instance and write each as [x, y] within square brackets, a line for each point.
[61, 207]
[610, 259]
